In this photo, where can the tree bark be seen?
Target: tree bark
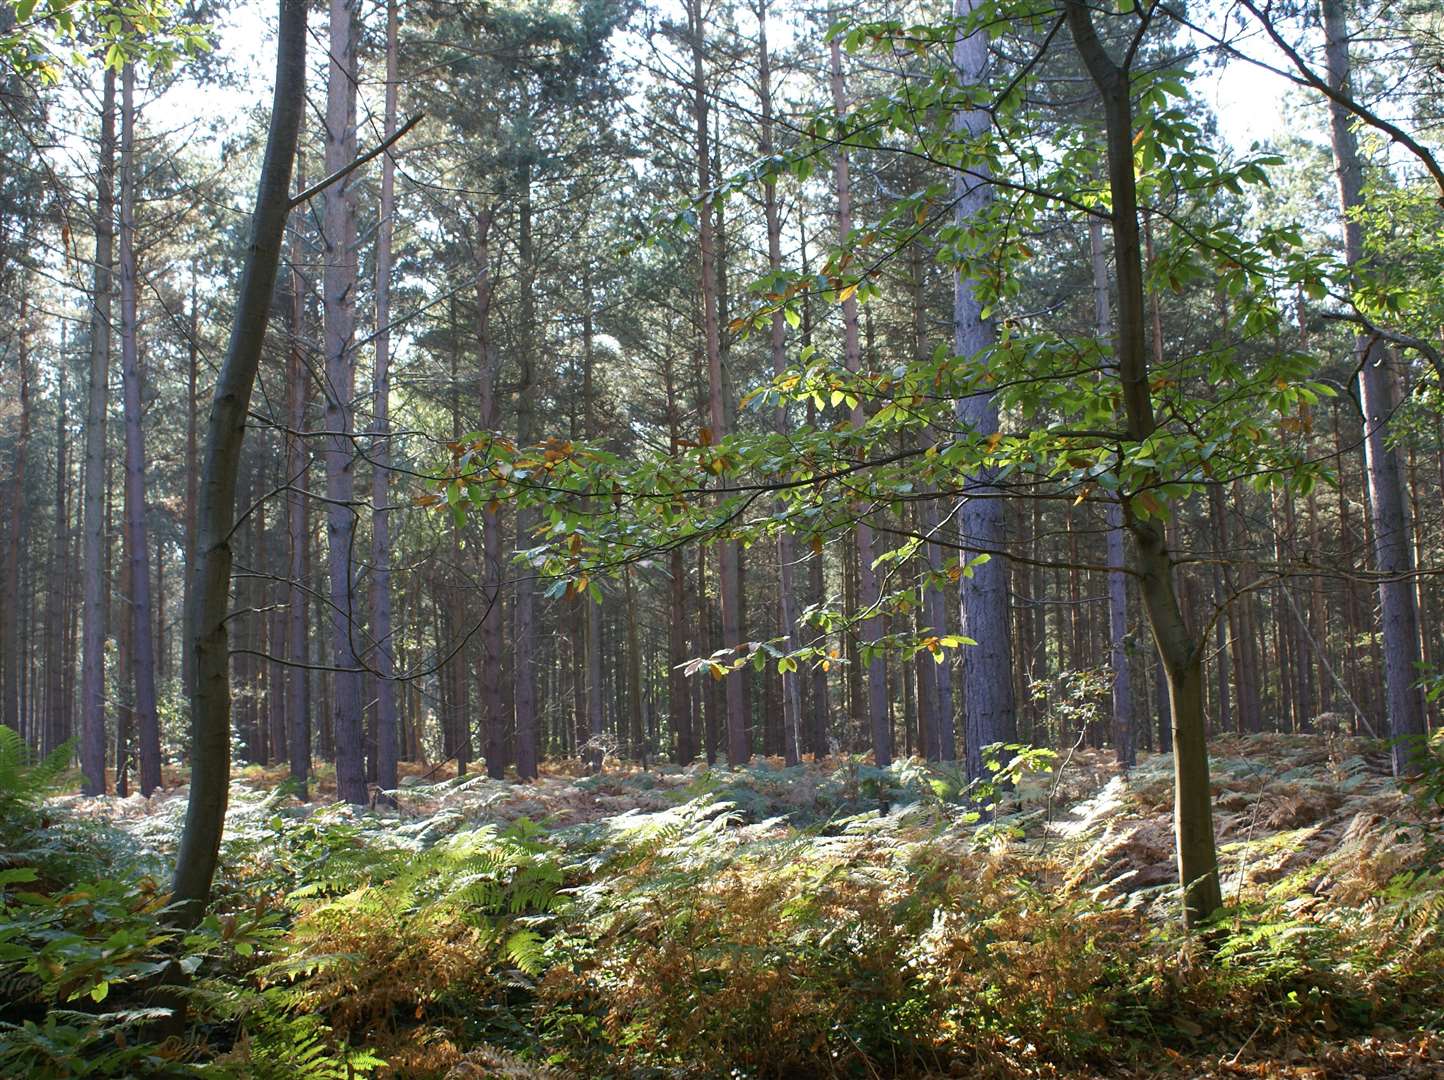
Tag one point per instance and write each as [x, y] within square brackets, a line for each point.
[15, 535]
[381, 447]
[142, 639]
[988, 707]
[867, 583]
[93, 621]
[1123, 747]
[786, 545]
[739, 750]
[524, 595]
[493, 719]
[338, 292]
[298, 467]
[1393, 557]
[1182, 653]
[225, 431]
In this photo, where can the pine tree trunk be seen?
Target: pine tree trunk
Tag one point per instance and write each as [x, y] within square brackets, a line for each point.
[739, 750]
[988, 706]
[56, 647]
[524, 594]
[867, 584]
[381, 630]
[298, 468]
[93, 621]
[10, 670]
[338, 291]
[142, 637]
[786, 545]
[1393, 558]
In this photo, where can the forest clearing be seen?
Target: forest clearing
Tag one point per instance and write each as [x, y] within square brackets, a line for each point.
[720, 539]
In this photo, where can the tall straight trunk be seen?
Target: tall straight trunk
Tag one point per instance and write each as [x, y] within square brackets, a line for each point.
[225, 431]
[124, 703]
[338, 291]
[706, 638]
[298, 468]
[934, 679]
[381, 448]
[729, 593]
[53, 732]
[821, 706]
[193, 367]
[678, 690]
[524, 596]
[456, 723]
[1123, 746]
[14, 537]
[988, 708]
[867, 583]
[493, 719]
[786, 545]
[142, 633]
[596, 721]
[93, 622]
[1181, 651]
[1393, 557]
[636, 736]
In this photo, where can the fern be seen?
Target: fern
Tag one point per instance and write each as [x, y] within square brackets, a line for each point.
[23, 781]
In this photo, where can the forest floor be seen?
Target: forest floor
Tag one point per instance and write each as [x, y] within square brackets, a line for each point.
[832, 920]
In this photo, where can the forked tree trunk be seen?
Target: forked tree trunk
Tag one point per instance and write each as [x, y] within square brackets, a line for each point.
[93, 628]
[225, 431]
[988, 707]
[338, 292]
[1181, 650]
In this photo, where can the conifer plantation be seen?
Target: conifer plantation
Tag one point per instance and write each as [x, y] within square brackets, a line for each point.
[722, 539]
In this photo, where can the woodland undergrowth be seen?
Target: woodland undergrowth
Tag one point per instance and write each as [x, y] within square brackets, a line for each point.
[829, 920]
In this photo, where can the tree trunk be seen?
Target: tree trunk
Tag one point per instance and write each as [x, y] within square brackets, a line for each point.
[867, 584]
[93, 622]
[524, 595]
[493, 720]
[142, 640]
[15, 534]
[381, 448]
[1393, 557]
[1117, 573]
[988, 707]
[338, 293]
[225, 430]
[739, 750]
[298, 467]
[786, 546]
[1182, 653]
[56, 607]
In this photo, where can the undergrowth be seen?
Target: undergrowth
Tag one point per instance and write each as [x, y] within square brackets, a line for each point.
[822, 921]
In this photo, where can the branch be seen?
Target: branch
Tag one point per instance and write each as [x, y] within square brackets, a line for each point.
[1308, 77]
[1407, 341]
[341, 174]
